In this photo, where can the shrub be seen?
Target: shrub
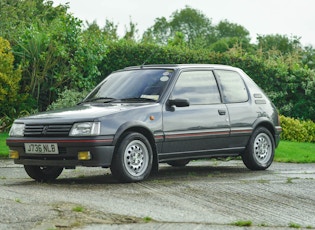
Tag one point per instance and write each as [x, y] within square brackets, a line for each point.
[67, 98]
[295, 130]
[9, 81]
[310, 128]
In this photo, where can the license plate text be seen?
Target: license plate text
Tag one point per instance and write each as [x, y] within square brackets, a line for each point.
[41, 148]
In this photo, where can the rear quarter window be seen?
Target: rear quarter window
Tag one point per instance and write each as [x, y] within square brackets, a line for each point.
[232, 85]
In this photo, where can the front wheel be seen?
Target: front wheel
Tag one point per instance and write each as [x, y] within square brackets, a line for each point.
[260, 150]
[132, 161]
[43, 174]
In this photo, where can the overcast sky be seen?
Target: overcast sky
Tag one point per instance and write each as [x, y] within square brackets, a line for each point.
[263, 17]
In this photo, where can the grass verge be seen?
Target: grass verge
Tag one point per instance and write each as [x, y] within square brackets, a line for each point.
[295, 152]
[4, 150]
[289, 152]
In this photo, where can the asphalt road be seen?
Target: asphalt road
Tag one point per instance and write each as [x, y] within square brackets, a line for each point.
[202, 195]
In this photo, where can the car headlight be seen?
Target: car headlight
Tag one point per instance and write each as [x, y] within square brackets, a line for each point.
[17, 130]
[85, 129]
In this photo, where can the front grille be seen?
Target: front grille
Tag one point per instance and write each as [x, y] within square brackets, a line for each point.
[60, 130]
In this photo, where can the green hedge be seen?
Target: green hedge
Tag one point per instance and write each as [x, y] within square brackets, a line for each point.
[290, 86]
[296, 130]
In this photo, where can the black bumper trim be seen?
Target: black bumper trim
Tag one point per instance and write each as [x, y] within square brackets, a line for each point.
[101, 156]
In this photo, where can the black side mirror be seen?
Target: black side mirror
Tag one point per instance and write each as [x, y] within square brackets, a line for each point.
[179, 102]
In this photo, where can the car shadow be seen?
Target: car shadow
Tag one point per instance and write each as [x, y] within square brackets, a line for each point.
[166, 173]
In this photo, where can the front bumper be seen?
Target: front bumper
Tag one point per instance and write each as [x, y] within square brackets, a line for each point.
[100, 149]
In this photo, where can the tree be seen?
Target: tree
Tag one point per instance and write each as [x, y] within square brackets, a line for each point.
[159, 33]
[282, 43]
[37, 59]
[92, 27]
[222, 45]
[228, 35]
[53, 51]
[9, 81]
[29, 26]
[308, 57]
[110, 31]
[227, 29]
[17, 15]
[198, 31]
[45, 51]
[131, 31]
[178, 40]
[191, 23]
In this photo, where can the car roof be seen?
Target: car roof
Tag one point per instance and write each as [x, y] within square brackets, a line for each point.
[181, 66]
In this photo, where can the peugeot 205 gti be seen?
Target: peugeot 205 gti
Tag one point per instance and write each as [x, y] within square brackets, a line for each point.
[141, 116]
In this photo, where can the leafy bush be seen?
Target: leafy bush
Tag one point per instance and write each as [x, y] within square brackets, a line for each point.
[295, 130]
[12, 102]
[5, 123]
[310, 127]
[67, 98]
[9, 80]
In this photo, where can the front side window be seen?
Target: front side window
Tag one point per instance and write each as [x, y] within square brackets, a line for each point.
[199, 87]
[233, 86]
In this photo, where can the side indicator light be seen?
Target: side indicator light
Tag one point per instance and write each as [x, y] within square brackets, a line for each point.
[84, 156]
[13, 154]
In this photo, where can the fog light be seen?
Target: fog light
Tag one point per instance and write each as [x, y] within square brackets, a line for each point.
[83, 156]
[13, 154]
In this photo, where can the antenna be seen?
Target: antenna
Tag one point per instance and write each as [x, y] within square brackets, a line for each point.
[146, 60]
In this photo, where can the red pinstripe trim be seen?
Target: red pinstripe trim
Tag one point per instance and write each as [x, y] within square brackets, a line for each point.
[197, 134]
[241, 131]
[60, 141]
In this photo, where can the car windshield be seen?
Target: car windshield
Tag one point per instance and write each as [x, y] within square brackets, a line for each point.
[131, 86]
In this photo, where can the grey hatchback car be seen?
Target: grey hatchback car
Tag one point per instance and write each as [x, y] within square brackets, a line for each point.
[141, 116]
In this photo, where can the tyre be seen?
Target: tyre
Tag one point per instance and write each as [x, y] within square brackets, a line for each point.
[43, 174]
[178, 163]
[260, 150]
[132, 161]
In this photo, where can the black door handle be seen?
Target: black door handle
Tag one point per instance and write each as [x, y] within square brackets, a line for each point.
[222, 112]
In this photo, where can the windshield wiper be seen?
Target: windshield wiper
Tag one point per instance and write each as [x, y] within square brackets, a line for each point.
[137, 99]
[103, 99]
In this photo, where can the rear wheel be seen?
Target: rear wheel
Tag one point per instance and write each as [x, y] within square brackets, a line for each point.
[178, 163]
[43, 174]
[260, 150]
[133, 159]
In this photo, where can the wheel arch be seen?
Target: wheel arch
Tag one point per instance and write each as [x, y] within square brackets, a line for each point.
[266, 124]
[138, 127]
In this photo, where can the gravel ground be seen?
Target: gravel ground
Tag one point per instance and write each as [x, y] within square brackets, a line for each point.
[202, 195]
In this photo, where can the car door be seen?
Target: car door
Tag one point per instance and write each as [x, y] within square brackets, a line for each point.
[202, 127]
[242, 113]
